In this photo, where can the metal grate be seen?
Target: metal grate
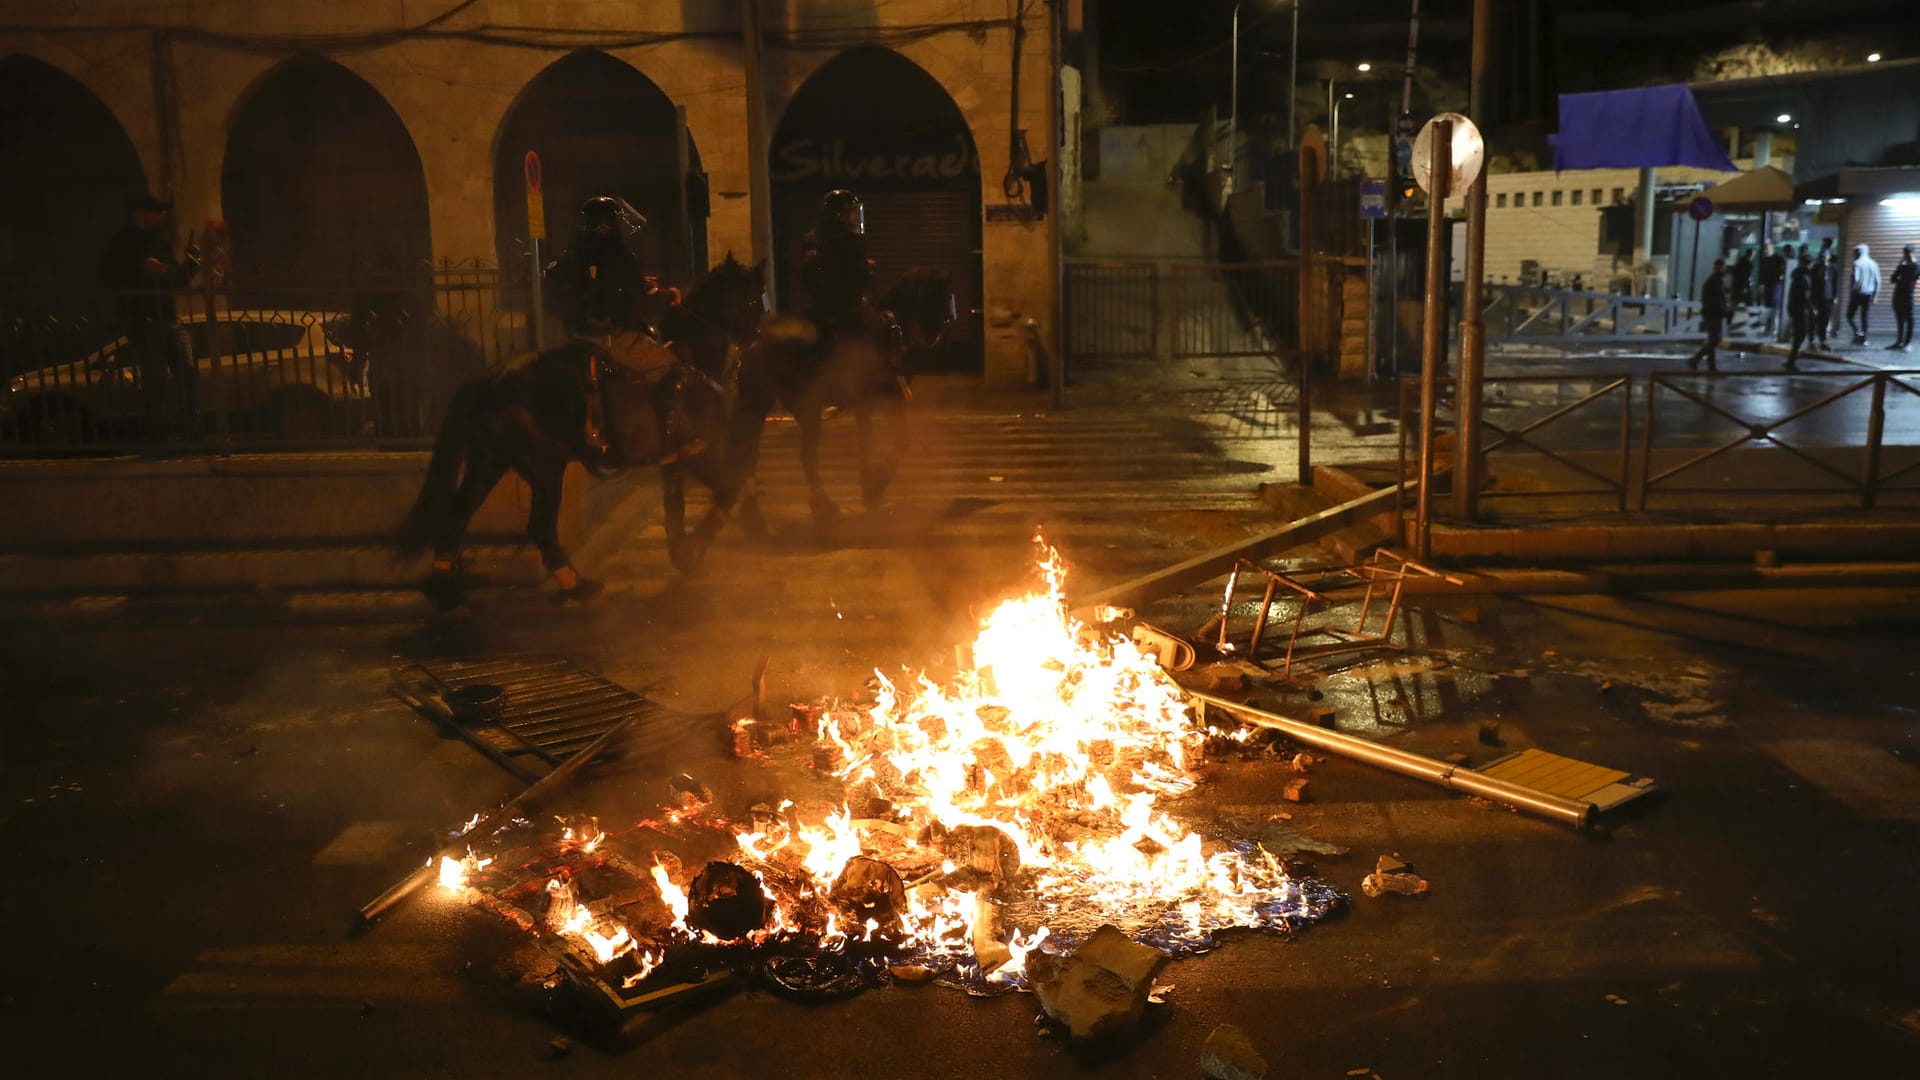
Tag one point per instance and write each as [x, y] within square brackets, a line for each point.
[552, 708]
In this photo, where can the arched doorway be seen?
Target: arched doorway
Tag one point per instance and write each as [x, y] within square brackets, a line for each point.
[600, 128]
[875, 123]
[70, 168]
[322, 182]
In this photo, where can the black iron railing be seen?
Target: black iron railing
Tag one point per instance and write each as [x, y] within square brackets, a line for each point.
[370, 361]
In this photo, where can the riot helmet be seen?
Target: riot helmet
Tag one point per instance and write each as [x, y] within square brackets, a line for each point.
[610, 215]
[845, 209]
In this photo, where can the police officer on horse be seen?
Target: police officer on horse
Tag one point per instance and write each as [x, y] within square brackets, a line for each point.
[606, 302]
[835, 272]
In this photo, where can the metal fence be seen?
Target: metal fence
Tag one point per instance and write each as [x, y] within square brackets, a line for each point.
[1691, 442]
[1183, 309]
[1520, 313]
[371, 361]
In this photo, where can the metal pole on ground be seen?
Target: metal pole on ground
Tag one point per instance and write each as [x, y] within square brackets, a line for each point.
[1433, 337]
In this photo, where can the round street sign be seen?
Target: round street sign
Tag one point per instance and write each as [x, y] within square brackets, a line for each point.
[1469, 153]
[1701, 208]
[532, 166]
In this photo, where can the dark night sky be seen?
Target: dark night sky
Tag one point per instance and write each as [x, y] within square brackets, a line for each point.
[1167, 61]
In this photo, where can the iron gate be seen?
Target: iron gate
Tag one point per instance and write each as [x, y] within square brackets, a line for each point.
[1182, 309]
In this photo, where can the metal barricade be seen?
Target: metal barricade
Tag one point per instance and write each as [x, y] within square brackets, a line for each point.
[1592, 455]
[1846, 451]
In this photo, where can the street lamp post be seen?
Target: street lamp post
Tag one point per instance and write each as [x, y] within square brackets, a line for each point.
[1233, 92]
[1233, 100]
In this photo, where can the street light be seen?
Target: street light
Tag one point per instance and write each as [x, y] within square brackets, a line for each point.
[1783, 118]
[1333, 152]
[1873, 58]
[1363, 66]
[1233, 93]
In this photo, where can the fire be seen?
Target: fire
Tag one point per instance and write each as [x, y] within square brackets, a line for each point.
[1012, 808]
[1064, 740]
[454, 872]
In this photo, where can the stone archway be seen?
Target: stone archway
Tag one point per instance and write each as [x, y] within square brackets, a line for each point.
[321, 180]
[600, 128]
[70, 168]
[877, 124]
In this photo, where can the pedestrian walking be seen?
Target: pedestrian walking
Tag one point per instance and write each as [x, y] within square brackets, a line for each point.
[140, 269]
[1823, 283]
[1866, 283]
[1903, 277]
[1713, 316]
[1799, 307]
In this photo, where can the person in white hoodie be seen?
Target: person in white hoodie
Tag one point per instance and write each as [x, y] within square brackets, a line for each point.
[1866, 282]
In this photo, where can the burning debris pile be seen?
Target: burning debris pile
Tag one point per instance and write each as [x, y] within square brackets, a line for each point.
[1017, 807]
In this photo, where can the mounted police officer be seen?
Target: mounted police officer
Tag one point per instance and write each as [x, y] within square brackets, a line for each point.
[598, 290]
[835, 272]
[597, 286]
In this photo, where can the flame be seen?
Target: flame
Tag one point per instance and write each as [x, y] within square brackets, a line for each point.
[673, 895]
[454, 872]
[1053, 723]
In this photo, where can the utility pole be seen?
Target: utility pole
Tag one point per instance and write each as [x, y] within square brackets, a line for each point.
[1433, 340]
[1473, 346]
[759, 185]
[1056, 340]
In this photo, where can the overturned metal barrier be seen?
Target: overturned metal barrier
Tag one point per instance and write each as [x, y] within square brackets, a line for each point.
[1577, 813]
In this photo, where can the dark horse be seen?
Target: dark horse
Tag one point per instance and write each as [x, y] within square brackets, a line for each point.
[719, 317]
[533, 419]
[787, 366]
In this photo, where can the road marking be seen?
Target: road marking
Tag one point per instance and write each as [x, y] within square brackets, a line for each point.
[1867, 778]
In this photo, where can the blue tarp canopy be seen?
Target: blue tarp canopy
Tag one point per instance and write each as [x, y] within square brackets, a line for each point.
[1635, 129]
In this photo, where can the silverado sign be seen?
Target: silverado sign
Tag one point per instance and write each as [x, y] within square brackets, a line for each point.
[840, 161]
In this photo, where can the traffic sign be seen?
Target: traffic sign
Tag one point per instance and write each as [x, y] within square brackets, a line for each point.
[1701, 208]
[536, 202]
[1373, 198]
[1467, 154]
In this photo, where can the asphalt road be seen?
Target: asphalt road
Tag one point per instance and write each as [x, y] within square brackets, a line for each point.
[196, 796]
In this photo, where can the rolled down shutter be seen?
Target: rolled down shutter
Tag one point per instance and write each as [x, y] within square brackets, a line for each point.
[1884, 229]
[936, 230]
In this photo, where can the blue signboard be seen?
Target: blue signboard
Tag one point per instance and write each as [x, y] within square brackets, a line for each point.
[1373, 198]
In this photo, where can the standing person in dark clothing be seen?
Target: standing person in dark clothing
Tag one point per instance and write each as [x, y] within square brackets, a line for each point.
[1773, 275]
[1713, 316]
[1820, 298]
[1743, 279]
[835, 272]
[1799, 307]
[1903, 275]
[139, 267]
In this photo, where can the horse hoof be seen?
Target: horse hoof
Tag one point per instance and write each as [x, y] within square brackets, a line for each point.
[584, 590]
[445, 592]
[825, 510]
[689, 558]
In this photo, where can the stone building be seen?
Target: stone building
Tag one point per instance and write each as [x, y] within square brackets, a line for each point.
[330, 139]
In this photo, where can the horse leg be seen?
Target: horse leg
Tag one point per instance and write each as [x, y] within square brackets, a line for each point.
[743, 458]
[443, 586]
[691, 552]
[876, 476]
[543, 528]
[673, 503]
[825, 510]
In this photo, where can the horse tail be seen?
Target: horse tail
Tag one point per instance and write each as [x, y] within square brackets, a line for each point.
[435, 501]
